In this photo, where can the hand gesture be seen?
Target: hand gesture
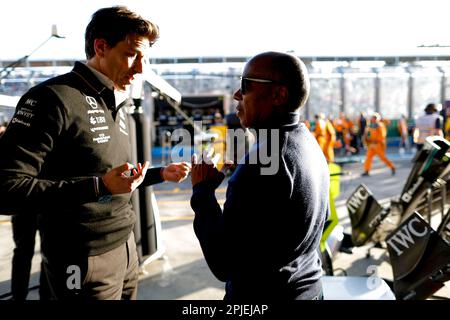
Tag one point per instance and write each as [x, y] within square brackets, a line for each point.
[205, 169]
[176, 172]
[119, 180]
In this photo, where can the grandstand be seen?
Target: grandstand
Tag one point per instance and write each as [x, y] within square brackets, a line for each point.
[390, 85]
[7, 107]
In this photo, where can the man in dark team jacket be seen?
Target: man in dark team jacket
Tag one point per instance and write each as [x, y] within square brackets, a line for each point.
[264, 243]
[66, 156]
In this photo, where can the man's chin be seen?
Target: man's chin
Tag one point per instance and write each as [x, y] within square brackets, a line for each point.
[122, 87]
[243, 123]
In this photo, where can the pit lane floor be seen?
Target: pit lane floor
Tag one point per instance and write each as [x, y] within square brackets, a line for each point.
[182, 273]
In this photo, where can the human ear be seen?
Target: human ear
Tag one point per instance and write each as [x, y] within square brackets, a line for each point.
[100, 46]
[280, 95]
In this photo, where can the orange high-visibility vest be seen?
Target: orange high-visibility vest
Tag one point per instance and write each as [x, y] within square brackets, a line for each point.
[376, 133]
[320, 128]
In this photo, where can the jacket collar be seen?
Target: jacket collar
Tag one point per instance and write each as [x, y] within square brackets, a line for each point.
[286, 121]
[103, 79]
[283, 122]
[84, 72]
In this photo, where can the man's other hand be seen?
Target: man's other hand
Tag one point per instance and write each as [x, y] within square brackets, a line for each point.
[118, 180]
[205, 170]
[176, 172]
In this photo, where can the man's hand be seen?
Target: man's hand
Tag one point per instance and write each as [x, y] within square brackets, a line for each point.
[205, 169]
[176, 172]
[119, 181]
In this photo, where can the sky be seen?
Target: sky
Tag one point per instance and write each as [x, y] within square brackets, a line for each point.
[191, 28]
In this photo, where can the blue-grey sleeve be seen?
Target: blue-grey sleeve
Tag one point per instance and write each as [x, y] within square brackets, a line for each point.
[210, 229]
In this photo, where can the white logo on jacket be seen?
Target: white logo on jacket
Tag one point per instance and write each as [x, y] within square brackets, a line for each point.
[121, 114]
[31, 102]
[92, 102]
[123, 126]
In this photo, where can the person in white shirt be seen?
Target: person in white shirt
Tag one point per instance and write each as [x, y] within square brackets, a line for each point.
[429, 124]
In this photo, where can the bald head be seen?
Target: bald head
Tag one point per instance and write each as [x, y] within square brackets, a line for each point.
[288, 70]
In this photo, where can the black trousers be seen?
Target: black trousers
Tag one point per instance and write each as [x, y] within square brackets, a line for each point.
[112, 275]
[24, 227]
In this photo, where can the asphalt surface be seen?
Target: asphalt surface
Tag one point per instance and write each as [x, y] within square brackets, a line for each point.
[181, 273]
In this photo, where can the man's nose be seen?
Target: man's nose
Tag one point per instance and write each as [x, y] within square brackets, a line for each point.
[138, 65]
[237, 95]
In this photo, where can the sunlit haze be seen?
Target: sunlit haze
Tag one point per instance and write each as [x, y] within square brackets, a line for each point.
[237, 27]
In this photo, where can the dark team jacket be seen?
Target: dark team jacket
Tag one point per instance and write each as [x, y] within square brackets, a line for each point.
[65, 134]
[265, 242]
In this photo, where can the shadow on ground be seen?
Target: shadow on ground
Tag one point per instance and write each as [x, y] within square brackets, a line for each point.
[165, 285]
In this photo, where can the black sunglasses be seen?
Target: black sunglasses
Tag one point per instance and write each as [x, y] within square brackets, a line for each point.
[245, 83]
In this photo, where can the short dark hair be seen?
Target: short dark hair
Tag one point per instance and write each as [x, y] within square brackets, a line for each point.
[114, 24]
[291, 72]
[431, 108]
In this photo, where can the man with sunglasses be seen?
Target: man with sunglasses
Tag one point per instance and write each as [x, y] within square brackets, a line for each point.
[67, 154]
[264, 243]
